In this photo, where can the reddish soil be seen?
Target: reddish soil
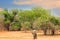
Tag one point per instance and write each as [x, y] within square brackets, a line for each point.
[19, 35]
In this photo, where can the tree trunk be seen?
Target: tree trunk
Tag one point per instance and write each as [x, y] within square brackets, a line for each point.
[31, 25]
[2, 27]
[45, 32]
[7, 26]
[53, 32]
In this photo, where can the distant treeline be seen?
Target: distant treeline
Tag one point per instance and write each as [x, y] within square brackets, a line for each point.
[36, 18]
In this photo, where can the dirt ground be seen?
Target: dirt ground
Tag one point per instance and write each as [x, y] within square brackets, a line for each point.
[19, 35]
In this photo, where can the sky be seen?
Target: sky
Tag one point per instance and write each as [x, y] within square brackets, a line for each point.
[53, 5]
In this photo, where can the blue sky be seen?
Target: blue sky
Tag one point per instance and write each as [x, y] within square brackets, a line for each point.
[9, 5]
[27, 4]
[53, 5]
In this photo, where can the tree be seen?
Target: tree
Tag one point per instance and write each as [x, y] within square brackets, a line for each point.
[38, 18]
[9, 17]
[25, 26]
[43, 16]
[15, 26]
[27, 15]
[15, 22]
[2, 28]
[55, 21]
[6, 19]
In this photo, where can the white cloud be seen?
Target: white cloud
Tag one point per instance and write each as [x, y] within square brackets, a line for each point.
[17, 2]
[44, 3]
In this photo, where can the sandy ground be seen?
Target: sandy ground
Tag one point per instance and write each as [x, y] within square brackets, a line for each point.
[25, 36]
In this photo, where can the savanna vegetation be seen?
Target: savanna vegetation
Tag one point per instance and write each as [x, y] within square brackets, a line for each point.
[37, 18]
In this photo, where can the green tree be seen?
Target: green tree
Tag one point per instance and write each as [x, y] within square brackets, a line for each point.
[6, 18]
[55, 21]
[9, 17]
[27, 15]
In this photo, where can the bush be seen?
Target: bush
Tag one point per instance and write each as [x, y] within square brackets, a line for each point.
[15, 26]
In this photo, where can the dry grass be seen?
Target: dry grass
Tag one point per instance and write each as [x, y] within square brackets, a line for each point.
[25, 36]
